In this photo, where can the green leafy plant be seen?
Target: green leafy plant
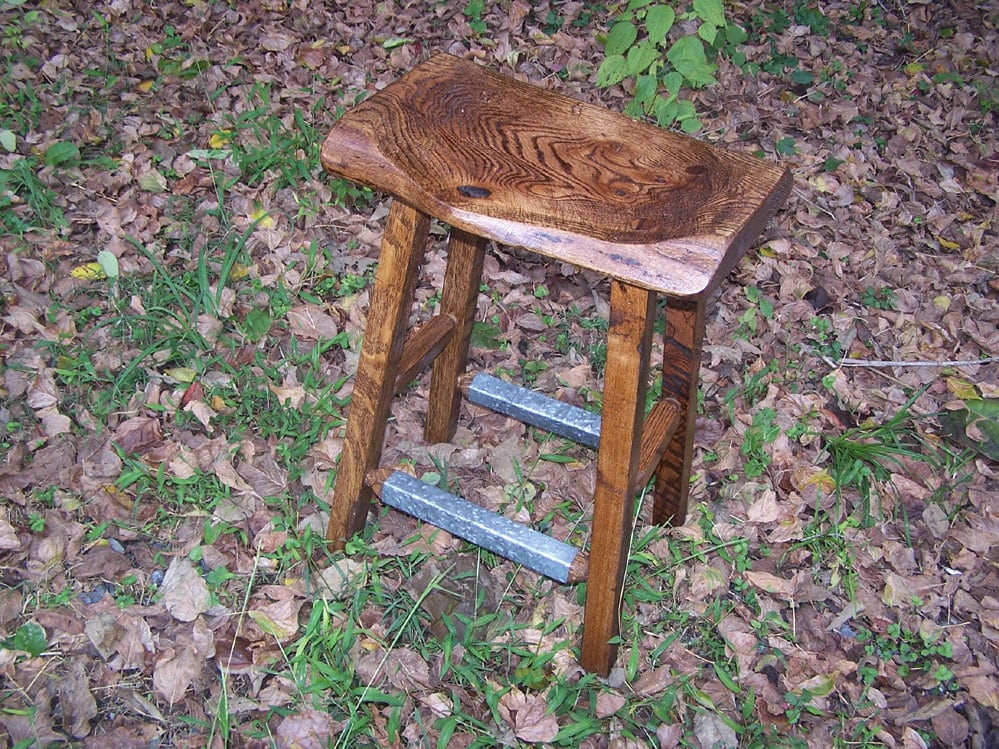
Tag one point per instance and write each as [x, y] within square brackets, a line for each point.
[643, 45]
[880, 298]
[761, 307]
[919, 652]
[761, 433]
[29, 638]
[473, 11]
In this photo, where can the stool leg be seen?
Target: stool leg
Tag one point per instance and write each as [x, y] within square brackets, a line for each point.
[681, 365]
[458, 297]
[384, 334]
[629, 340]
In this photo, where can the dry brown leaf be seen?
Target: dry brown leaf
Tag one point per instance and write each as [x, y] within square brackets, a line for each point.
[669, 735]
[778, 586]
[765, 508]
[229, 476]
[340, 579]
[438, 703]
[201, 411]
[982, 689]
[653, 682]
[899, 590]
[42, 392]
[265, 476]
[8, 536]
[608, 703]
[528, 716]
[311, 729]
[184, 592]
[950, 728]
[174, 672]
[712, 731]
[312, 322]
[30, 723]
[278, 619]
[76, 701]
[138, 433]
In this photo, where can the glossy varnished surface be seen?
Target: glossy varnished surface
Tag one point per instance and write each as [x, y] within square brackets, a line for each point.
[514, 163]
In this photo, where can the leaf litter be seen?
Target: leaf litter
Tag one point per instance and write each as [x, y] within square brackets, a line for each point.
[162, 531]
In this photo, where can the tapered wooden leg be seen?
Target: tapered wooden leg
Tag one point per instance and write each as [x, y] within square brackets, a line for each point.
[629, 339]
[458, 297]
[681, 366]
[384, 334]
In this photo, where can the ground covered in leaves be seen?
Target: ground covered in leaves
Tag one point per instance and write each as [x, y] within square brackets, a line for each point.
[183, 294]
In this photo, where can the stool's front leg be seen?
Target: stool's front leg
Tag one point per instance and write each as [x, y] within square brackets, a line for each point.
[681, 366]
[629, 339]
[384, 334]
[465, 254]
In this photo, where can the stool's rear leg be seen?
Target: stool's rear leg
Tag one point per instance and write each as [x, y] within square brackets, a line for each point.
[629, 340]
[458, 297]
[384, 334]
[681, 366]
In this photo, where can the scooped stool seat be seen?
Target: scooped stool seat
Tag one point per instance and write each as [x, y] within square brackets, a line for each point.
[497, 159]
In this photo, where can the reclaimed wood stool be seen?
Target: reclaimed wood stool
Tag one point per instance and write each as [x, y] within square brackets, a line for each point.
[498, 159]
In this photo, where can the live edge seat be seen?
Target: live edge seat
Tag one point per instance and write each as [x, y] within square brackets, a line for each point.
[498, 159]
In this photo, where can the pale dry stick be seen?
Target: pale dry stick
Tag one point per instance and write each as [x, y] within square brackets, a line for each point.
[800, 194]
[876, 363]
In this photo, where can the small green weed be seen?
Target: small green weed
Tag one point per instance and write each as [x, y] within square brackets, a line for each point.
[923, 652]
[26, 201]
[880, 298]
[833, 548]
[762, 432]
[16, 25]
[473, 11]
[171, 58]
[823, 338]
[760, 307]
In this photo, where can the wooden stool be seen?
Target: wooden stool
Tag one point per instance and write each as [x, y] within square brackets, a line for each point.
[503, 160]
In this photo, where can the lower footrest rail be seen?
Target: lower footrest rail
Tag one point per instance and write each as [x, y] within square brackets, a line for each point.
[498, 534]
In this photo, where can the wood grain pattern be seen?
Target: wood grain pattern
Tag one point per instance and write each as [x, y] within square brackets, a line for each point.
[629, 341]
[385, 332]
[462, 277]
[512, 162]
[657, 434]
[423, 346]
[681, 367]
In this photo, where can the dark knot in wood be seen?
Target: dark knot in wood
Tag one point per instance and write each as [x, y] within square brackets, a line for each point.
[471, 191]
